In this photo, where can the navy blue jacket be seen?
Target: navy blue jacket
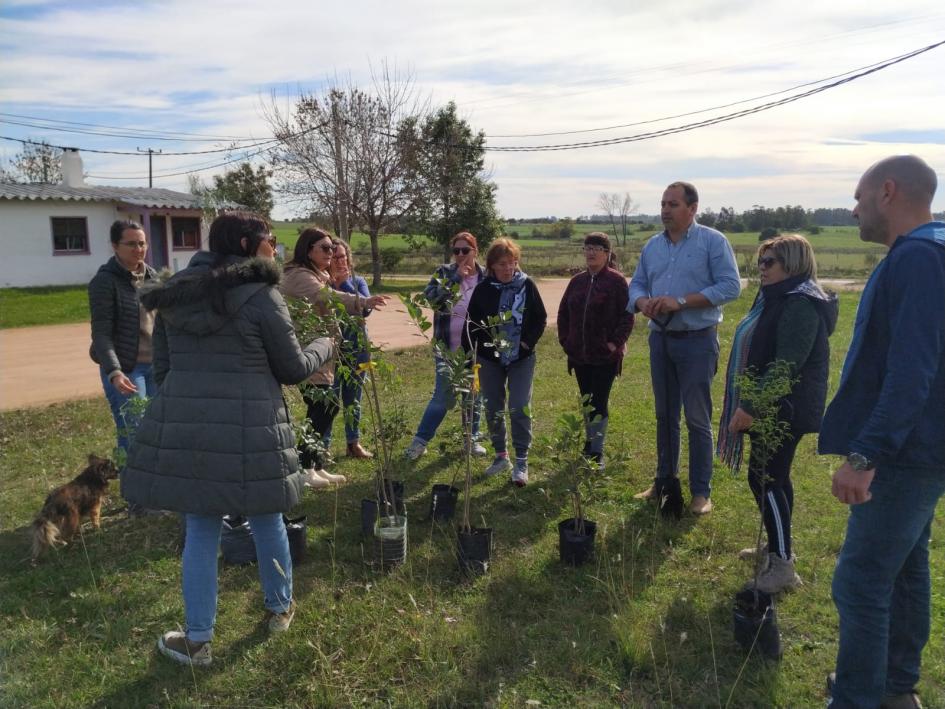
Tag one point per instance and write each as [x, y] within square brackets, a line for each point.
[890, 405]
[440, 300]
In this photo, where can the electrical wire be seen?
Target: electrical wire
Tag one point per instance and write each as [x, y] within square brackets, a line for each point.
[144, 132]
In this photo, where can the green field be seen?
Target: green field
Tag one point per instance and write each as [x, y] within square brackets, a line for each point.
[647, 624]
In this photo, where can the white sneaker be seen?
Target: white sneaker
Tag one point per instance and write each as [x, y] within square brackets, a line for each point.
[478, 449]
[313, 480]
[499, 465]
[330, 477]
[415, 449]
[520, 473]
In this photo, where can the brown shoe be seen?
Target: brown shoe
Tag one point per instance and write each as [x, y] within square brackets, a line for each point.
[647, 494]
[280, 622]
[175, 645]
[356, 450]
[700, 505]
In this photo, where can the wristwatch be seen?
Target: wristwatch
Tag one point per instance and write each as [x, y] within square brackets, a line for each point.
[858, 461]
[682, 301]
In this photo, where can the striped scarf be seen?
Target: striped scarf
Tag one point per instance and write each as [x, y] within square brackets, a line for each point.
[729, 446]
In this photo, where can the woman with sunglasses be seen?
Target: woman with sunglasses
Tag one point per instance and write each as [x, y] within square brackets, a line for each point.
[593, 327]
[448, 293]
[307, 276]
[790, 321]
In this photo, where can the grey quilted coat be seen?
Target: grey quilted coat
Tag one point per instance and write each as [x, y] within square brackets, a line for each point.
[216, 438]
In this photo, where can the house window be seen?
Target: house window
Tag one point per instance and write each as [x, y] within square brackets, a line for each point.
[185, 233]
[70, 235]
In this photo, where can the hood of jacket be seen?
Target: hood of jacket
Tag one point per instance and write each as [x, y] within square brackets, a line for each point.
[201, 299]
[826, 301]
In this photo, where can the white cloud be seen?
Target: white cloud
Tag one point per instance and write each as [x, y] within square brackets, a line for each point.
[513, 68]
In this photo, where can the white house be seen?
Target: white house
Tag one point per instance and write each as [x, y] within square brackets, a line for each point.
[58, 234]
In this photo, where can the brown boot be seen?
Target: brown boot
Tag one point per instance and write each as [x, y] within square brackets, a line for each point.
[648, 494]
[356, 450]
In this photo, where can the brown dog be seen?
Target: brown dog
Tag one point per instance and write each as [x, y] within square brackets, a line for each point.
[65, 506]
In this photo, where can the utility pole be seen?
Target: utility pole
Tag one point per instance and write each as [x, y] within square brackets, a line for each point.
[150, 153]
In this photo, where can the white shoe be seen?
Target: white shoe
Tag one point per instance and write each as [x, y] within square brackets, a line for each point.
[313, 480]
[415, 449]
[330, 477]
[520, 474]
[478, 449]
[499, 465]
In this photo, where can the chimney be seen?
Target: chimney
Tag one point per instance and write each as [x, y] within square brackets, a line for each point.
[72, 168]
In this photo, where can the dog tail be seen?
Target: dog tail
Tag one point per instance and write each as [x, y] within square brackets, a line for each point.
[45, 534]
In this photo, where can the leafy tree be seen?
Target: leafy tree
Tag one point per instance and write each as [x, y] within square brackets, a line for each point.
[452, 192]
[247, 187]
[36, 163]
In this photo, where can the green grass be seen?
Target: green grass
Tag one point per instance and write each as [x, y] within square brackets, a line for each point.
[648, 624]
[48, 305]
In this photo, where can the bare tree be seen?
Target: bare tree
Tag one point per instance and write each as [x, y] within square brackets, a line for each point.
[627, 208]
[36, 163]
[610, 205]
[339, 154]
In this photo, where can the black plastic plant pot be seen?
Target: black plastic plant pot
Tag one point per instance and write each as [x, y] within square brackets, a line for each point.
[443, 502]
[474, 550]
[390, 541]
[236, 541]
[397, 487]
[573, 547]
[755, 623]
[368, 517]
[295, 530]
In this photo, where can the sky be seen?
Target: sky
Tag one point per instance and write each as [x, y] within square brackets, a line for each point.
[209, 69]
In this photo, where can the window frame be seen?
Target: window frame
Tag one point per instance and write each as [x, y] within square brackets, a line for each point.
[69, 252]
[185, 247]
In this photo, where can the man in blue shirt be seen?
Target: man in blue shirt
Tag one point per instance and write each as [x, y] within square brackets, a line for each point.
[685, 274]
[888, 419]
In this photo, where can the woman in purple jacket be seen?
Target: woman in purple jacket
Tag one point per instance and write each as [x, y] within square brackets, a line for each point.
[593, 327]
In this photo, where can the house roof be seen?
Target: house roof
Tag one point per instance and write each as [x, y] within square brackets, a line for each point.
[138, 196]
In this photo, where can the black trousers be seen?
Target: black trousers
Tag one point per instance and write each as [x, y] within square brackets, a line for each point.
[322, 407]
[779, 492]
[597, 381]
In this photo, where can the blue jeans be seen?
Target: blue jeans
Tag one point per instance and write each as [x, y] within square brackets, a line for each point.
[348, 392]
[682, 374]
[126, 425]
[442, 401]
[199, 569]
[493, 379]
[881, 587]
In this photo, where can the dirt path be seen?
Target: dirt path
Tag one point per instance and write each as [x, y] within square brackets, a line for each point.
[48, 364]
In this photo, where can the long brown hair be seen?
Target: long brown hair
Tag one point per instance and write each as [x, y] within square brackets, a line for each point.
[307, 239]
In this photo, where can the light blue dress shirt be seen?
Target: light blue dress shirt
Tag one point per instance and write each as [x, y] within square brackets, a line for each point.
[702, 262]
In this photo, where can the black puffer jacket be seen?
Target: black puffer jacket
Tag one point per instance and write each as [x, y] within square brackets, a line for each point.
[795, 325]
[113, 303]
[216, 438]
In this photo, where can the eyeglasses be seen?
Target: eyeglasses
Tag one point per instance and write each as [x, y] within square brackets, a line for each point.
[464, 250]
[767, 262]
[271, 240]
[327, 248]
[134, 244]
[593, 249]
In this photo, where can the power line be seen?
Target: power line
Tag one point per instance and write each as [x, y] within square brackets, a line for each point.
[145, 132]
[107, 134]
[711, 121]
[230, 149]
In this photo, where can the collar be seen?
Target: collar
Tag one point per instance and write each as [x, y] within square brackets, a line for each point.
[685, 236]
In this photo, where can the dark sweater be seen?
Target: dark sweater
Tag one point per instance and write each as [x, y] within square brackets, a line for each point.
[593, 312]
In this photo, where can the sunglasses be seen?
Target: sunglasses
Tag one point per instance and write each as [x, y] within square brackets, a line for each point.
[767, 262]
[327, 248]
[271, 240]
[464, 250]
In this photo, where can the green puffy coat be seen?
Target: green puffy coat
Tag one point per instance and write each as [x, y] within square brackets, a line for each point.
[216, 438]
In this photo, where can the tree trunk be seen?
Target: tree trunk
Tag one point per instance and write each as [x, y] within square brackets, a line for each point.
[375, 257]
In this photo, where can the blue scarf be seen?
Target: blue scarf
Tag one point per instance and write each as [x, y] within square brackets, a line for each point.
[512, 300]
[931, 231]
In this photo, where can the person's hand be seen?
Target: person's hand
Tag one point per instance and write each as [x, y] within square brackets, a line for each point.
[611, 347]
[123, 384]
[852, 487]
[467, 266]
[664, 304]
[376, 301]
[741, 421]
[644, 305]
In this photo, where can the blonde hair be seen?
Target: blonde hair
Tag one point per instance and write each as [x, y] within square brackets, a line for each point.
[794, 253]
[502, 248]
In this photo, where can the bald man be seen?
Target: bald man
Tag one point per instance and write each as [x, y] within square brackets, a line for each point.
[888, 419]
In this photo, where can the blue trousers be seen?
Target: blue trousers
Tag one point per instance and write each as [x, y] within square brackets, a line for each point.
[199, 570]
[682, 373]
[125, 425]
[881, 587]
[442, 401]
